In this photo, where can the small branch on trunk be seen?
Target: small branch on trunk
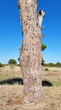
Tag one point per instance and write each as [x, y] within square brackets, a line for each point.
[18, 4]
[42, 35]
[41, 28]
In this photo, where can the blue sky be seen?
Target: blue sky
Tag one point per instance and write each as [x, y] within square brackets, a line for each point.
[11, 33]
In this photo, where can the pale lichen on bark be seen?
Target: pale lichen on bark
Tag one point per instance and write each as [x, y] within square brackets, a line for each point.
[30, 55]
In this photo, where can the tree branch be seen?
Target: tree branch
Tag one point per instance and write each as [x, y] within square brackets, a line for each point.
[41, 28]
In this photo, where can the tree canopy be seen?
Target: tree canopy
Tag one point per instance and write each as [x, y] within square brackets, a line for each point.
[43, 47]
[12, 61]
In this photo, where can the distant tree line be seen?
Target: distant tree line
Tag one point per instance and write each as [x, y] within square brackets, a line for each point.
[13, 62]
[58, 64]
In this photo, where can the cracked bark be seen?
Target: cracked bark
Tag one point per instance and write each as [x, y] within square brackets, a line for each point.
[30, 52]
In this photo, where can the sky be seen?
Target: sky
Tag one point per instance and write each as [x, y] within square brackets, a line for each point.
[11, 32]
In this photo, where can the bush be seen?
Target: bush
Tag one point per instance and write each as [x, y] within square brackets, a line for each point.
[18, 64]
[1, 64]
[45, 64]
[51, 65]
[58, 64]
[19, 59]
[43, 47]
[12, 62]
[46, 69]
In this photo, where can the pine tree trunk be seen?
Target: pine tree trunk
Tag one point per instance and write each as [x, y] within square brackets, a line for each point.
[30, 53]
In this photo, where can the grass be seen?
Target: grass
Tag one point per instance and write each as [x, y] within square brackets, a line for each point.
[55, 70]
[55, 83]
[10, 96]
[12, 75]
[9, 73]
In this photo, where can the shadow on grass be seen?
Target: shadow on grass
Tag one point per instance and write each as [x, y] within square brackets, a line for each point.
[12, 81]
[46, 83]
[20, 82]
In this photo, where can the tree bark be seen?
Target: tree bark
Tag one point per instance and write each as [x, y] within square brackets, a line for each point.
[30, 53]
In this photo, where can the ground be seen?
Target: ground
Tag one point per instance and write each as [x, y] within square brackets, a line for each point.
[11, 95]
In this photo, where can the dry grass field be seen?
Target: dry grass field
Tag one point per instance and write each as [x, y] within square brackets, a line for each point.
[11, 89]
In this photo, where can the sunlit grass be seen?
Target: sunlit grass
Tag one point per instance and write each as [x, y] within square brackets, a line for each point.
[12, 72]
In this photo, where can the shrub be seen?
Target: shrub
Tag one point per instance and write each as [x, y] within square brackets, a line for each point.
[18, 64]
[51, 64]
[43, 47]
[12, 62]
[1, 64]
[6, 64]
[19, 59]
[58, 64]
[45, 64]
[46, 69]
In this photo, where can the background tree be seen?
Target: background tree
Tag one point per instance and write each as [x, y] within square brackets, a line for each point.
[12, 62]
[1, 64]
[43, 48]
[58, 64]
[43, 61]
[19, 59]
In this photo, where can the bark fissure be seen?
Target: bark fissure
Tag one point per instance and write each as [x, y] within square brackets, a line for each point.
[30, 55]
